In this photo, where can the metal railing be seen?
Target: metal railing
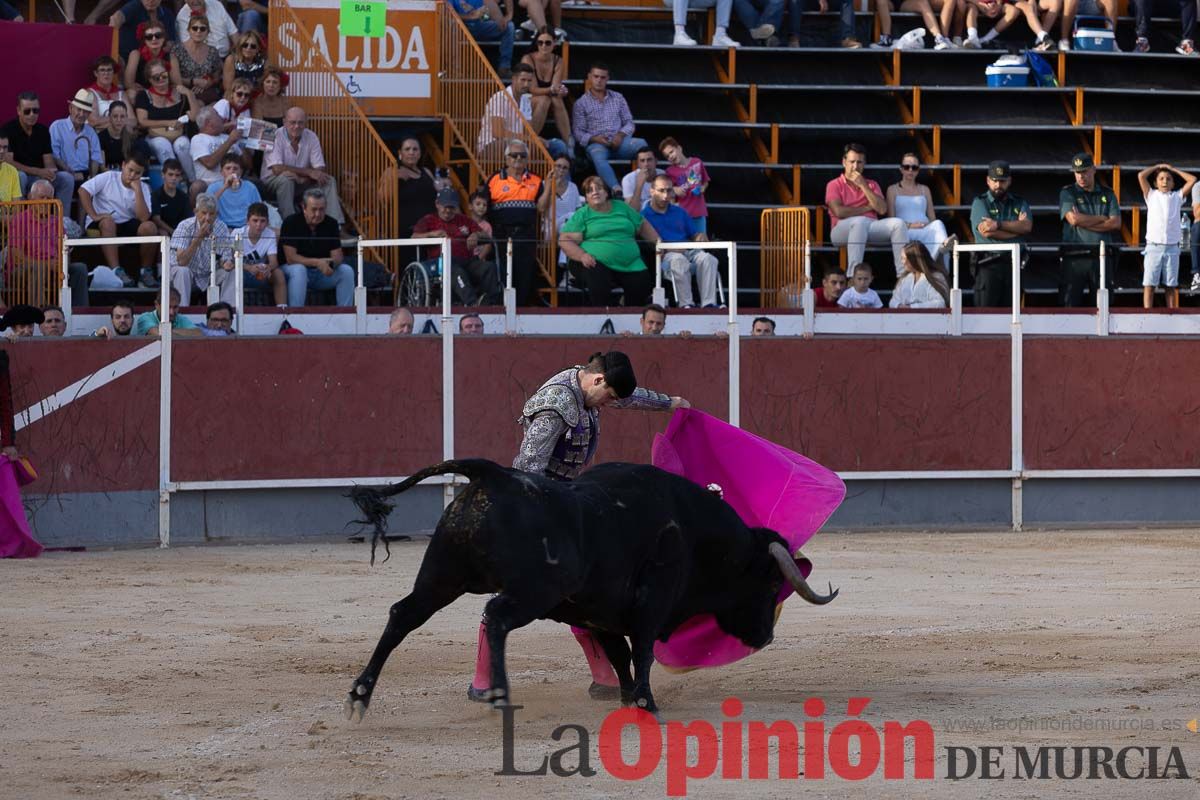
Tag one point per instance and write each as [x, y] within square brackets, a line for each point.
[786, 258]
[31, 234]
[354, 153]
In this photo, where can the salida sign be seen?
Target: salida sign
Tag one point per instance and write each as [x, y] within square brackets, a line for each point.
[388, 74]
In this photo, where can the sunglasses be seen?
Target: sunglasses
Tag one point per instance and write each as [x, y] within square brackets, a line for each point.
[152, 35]
[158, 75]
[198, 29]
[31, 111]
[249, 46]
[910, 167]
[545, 43]
[517, 156]
[241, 94]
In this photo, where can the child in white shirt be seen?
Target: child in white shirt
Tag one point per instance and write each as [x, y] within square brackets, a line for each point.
[1163, 230]
[860, 294]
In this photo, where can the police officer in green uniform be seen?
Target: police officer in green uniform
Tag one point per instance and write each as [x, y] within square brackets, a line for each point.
[999, 217]
[1090, 215]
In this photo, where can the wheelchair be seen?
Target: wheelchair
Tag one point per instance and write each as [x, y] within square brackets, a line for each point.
[421, 281]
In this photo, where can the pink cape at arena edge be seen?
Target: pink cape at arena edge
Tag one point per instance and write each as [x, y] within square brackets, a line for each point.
[15, 539]
[768, 485]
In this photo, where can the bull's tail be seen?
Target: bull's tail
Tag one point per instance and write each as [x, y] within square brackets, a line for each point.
[373, 503]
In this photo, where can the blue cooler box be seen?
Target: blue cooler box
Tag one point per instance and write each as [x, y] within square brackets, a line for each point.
[1008, 71]
[1094, 34]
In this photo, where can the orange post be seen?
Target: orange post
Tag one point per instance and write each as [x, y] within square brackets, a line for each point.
[783, 233]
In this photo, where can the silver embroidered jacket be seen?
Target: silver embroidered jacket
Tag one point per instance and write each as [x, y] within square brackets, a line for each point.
[560, 433]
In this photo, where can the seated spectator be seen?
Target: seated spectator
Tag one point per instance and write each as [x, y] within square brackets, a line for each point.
[603, 124]
[118, 204]
[297, 163]
[690, 179]
[218, 320]
[549, 92]
[75, 145]
[674, 225]
[636, 186]
[34, 249]
[1000, 217]
[1090, 8]
[1142, 10]
[855, 203]
[473, 280]
[119, 139]
[221, 28]
[653, 320]
[270, 105]
[30, 150]
[762, 326]
[401, 322]
[860, 294]
[1009, 11]
[567, 199]
[912, 203]
[10, 179]
[148, 324]
[830, 291]
[54, 322]
[209, 148]
[200, 65]
[252, 17]
[312, 252]
[487, 23]
[412, 183]
[536, 11]
[923, 285]
[599, 239]
[518, 196]
[120, 321]
[503, 114]
[129, 21]
[260, 259]
[245, 60]
[471, 325]
[193, 244]
[234, 196]
[154, 48]
[760, 17]
[933, 25]
[1091, 214]
[105, 91]
[721, 36]
[170, 203]
[161, 111]
[235, 104]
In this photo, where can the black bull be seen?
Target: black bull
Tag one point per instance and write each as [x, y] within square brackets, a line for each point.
[624, 550]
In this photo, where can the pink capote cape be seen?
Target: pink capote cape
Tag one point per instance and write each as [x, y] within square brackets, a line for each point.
[15, 538]
[768, 485]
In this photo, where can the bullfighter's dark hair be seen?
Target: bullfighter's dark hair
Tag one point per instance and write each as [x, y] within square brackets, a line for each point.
[616, 369]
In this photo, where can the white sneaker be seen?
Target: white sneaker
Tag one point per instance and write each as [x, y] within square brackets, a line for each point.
[1064, 45]
[683, 40]
[560, 35]
[1196, 282]
[723, 40]
[972, 43]
[942, 43]
[764, 31]
[528, 25]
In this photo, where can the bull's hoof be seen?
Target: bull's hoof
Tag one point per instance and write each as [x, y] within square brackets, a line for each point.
[598, 691]
[478, 695]
[354, 710]
[357, 699]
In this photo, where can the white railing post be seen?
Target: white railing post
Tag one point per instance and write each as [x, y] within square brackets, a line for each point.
[510, 294]
[164, 397]
[1017, 384]
[735, 342]
[64, 294]
[659, 296]
[955, 296]
[213, 293]
[1102, 292]
[239, 280]
[448, 365]
[360, 294]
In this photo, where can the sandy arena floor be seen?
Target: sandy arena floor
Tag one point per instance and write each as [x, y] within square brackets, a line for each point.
[220, 672]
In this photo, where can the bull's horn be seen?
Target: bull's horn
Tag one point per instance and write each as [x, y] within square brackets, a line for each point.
[792, 572]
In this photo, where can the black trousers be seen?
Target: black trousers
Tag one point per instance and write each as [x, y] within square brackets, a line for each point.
[598, 282]
[1081, 270]
[475, 282]
[524, 257]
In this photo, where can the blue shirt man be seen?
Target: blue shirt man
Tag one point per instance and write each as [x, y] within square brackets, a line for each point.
[674, 225]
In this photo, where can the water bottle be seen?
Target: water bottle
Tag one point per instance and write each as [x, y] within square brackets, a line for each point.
[1185, 224]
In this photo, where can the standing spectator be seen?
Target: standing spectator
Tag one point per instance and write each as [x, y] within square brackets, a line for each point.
[1187, 23]
[170, 204]
[118, 141]
[160, 112]
[762, 326]
[470, 325]
[54, 322]
[105, 91]
[245, 60]
[234, 196]
[912, 203]
[18, 322]
[674, 225]
[721, 38]
[1091, 214]
[518, 196]
[923, 285]
[199, 62]
[549, 92]
[192, 246]
[148, 324]
[636, 185]
[830, 291]
[846, 35]
[297, 162]
[118, 204]
[312, 252]
[221, 29]
[75, 144]
[271, 105]
[479, 205]
[472, 279]
[860, 294]
[599, 239]
[602, 123]
[129, 21]
[31, 152]
[412, 183]
[10, 179]
[487, 23]
[209, 147]
[654, 320]
[855, 203]
[154, 48]
[1163, 230]
[218, 320]
[120, 321]
[260, 255]
[690, 179]
[1000, 217]
[401, 322]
